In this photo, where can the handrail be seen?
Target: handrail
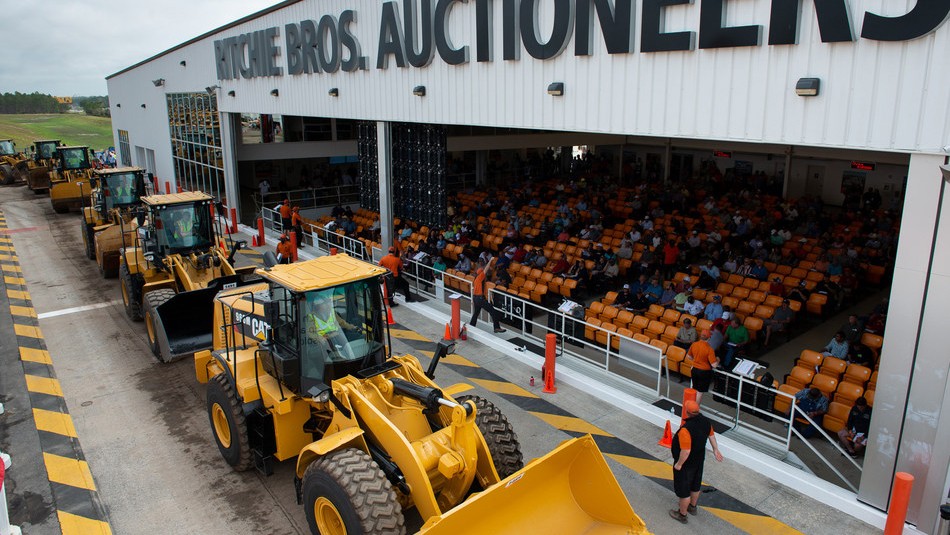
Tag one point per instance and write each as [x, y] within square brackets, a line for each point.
[311, 197]
[796, 412]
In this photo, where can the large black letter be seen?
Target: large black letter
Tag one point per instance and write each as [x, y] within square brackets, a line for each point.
[483, 33]
[531, 34]
[712, 33]
[221, 60]
[327, 27]
[833, 22]
[356, 61]
[273, 50]
[653, 38]
[424, 56]
[926, 17]
[390, 38]
[449, 54]
[509, 30]
[615, 23]
[294, 49]
[311, 45]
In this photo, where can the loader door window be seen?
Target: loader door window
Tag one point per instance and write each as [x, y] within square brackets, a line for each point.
[45, 150]
[185, 227]
[6, 148]
[120, 190]
[74, 159]
[285, 331]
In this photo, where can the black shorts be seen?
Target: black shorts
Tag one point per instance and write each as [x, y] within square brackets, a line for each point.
[687, 480]
[701, 379]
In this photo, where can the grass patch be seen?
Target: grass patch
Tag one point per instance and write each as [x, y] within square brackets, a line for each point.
[72, 128]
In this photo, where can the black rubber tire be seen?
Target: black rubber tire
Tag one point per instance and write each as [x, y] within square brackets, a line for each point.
[7, 174]
[131, 294]
[154, 326]
[88, 237]
[221, 395]
[501, 438]
[357, 489]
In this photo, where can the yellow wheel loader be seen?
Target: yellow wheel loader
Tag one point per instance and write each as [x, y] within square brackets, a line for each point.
[14, 166]
[44, 152]
[69, 179]
[302, 369]
[171, 275]
[107, 222]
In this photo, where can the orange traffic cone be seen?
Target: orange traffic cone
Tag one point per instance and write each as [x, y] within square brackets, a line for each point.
[389, 316]
[667, 440]
[448, 332]
[254, 241]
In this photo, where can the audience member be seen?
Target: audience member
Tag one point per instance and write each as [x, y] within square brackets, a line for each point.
[854, 435]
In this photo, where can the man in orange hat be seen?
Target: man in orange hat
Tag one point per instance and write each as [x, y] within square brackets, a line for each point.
[284, 250]
[689, 456]
[394, 264]
[296, 223]
[285, 213]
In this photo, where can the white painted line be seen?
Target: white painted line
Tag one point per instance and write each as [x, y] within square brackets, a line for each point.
[73, 310]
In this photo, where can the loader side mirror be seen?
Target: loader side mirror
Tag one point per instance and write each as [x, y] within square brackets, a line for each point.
[269, 260]
[219, 206]
[140, 218]
[442, 349]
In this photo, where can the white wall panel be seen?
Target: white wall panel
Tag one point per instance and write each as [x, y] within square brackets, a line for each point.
[874, 95]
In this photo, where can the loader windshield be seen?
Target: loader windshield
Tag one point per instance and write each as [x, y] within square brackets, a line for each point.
[184, 227]
[74, 158]
[6, 148]
[45, 150]
[341, 330]
[121, 189]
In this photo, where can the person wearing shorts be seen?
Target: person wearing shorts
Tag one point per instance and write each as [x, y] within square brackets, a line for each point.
[689, 456]
[704, 360]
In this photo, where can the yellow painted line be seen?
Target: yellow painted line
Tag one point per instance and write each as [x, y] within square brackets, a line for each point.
[251, 252]
[27, 330]
[451, 358]
[43, 385]
[754, 524]
[35, 355]
[645, 467]
[54, 422]
[6, 248]
[72, 472]
[14, 280]
[9, 257]
[22, 311]
[457, 389]
[18, 294]
[570, 423]
[502, 387]
[408, 335]
[80, 525]
[11, 269]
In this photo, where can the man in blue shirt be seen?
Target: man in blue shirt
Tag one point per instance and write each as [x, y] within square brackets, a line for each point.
[759, 271]
[713, 311]
[653, 291]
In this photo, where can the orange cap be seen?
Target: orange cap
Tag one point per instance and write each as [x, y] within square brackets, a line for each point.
[691, 407]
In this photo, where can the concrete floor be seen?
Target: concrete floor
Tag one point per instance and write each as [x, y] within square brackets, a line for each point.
[144, 429]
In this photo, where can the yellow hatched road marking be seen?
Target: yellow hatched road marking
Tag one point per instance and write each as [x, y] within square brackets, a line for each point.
[22, 311]
[9, 257]
[11, 269]
[6, 248]
[35, 355]
[645, 467]
[72, 472]
[570, 423]
[503, 387]
[18, 294]
[80, 525]
[408, 335]
[43, 385]
[451, 358]
[54, 422]
[14, 280]
[754, 524]
[27, 330]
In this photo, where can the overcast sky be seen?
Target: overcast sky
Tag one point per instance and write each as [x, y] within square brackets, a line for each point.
[67, 48]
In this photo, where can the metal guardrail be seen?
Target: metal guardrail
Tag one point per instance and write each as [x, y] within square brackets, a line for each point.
[311, 197]
[318, 237]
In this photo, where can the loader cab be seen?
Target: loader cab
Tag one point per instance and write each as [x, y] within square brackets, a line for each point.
[7, 147]
[119, 188]
[73, 158]
[324, 334]
[181, 228]
[45, 150]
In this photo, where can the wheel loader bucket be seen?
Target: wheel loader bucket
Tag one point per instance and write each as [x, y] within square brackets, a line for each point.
[188, 321]
[568, 491]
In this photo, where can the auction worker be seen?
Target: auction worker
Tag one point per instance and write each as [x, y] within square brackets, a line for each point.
[479, 301]
[689, 455]
[704, 360]
[284, 250]
[285, 213]
[394, 264]
[325, 326]
[296, 222]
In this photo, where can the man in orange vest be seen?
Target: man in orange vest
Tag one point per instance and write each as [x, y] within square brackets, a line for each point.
[285, 213]
[393, 263]
[296, 222]
[479, 301]
[284, 250]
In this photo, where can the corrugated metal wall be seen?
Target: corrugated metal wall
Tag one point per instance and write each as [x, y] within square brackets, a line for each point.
[874, 95]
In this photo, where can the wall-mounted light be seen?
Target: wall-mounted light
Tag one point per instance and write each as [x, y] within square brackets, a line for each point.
[143, 105]
[419, 91]
[118, 105]
[158, 83]
[211, 89]
[807, 87]
[183, 63]
[231, 93]
[556, 89]
[334, 92]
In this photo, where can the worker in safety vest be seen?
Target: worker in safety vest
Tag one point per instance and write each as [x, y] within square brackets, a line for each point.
[182, 231]
[284, 250]
[325, 326]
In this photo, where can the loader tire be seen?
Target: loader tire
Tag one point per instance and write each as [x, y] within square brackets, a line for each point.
[88, 239]
[501, 438]
[131, 294]
[154, 326]
[6, 174]
[228, 423]
[345, 492]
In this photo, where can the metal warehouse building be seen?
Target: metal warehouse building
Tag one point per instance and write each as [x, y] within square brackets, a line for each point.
[822, 94]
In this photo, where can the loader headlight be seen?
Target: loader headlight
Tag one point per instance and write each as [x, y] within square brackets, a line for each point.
[322, 397]
[150, 257]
